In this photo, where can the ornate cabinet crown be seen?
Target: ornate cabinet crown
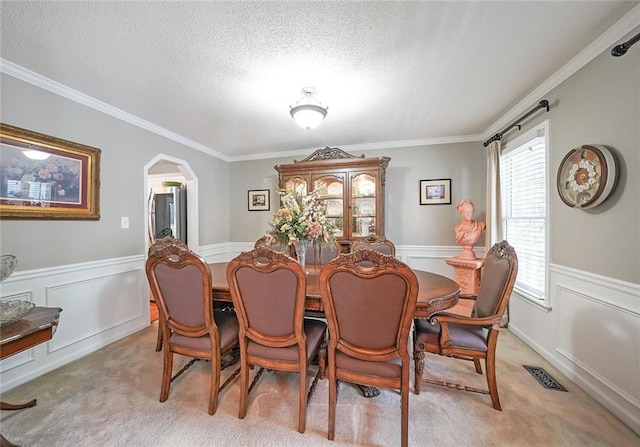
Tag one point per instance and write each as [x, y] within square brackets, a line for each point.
[352, 188]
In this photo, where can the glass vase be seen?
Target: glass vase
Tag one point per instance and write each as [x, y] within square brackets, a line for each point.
[301, 252]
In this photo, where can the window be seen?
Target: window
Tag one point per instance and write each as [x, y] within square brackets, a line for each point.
[524, 209]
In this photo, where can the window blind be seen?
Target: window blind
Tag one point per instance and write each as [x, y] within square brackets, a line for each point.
[523, 178]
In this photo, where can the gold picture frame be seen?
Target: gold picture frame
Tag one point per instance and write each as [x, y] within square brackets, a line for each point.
[45, 177]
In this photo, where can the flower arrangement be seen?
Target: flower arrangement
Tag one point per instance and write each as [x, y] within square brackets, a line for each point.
[301, 219]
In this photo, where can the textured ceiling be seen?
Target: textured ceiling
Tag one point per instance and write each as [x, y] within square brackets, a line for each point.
[223, 74]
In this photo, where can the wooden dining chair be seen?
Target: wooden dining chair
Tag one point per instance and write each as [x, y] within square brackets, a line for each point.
[268, 290]
[369, 299]
[180, 281]
[474, 337]
[376, 243]
[153, 248]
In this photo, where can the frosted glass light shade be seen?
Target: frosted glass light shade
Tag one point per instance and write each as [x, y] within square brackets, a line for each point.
[308, 116]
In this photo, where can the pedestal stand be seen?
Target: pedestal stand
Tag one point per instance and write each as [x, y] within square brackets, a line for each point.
[467, 274]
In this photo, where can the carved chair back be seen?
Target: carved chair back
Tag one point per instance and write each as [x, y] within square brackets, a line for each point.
[498, 278]
[377, 243]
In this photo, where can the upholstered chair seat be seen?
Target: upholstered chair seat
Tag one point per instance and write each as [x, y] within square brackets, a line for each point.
[472, 337]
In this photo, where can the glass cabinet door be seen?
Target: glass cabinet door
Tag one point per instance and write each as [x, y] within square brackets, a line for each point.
[295, 182]
[363, 205]
[331, 191]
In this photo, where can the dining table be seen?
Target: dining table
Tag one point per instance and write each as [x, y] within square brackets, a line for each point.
[436, 293]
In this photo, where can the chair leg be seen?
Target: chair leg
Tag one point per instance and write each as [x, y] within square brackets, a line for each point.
[332, 403]
[159, 338]
[215, 383]
[418, 357]
[244, 387]
[322, 360]
[490, 365]
[404, 421]
[166, 374]
[476, 363]
[302, 405]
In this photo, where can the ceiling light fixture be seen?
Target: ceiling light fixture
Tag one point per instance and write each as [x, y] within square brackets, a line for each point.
[308, 111]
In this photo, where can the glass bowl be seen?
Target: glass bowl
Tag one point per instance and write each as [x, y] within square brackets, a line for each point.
[14, 310]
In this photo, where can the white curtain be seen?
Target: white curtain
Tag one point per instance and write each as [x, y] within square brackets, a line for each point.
[494, 210]
[494, 213]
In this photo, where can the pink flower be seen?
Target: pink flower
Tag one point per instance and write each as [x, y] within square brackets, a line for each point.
[44, 174]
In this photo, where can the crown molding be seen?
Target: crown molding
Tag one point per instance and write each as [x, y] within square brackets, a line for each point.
[595, 48]
[363, 147]
[45, 83]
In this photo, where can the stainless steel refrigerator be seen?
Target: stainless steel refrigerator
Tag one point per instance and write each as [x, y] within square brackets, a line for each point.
[168, 213]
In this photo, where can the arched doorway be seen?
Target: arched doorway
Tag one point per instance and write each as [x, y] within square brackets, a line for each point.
[166, 167]
[171, 168]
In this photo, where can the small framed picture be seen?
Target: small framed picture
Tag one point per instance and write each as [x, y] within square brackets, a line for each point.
[259, 200]
[435, 192]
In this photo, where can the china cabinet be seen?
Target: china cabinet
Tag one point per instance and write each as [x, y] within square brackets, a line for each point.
[352, 188]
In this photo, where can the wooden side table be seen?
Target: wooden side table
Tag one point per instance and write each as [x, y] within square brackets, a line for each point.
[36, 327]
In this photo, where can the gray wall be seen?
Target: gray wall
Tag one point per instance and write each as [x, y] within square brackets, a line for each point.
[407, 222]
[126, 149]
[599, 104]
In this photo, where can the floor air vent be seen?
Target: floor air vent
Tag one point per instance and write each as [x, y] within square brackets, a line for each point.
[543, 378]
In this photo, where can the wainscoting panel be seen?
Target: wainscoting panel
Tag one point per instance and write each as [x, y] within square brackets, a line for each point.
[222, 252]
[591, 333]
[101, 301]
[95, 306]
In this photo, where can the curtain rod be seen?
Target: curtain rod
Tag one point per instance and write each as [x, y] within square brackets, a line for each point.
[619, 50]
[541, 105]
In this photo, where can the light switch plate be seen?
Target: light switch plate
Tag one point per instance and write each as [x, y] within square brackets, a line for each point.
[124, 222]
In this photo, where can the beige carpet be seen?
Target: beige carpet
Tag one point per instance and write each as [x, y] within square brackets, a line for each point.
[110, 398]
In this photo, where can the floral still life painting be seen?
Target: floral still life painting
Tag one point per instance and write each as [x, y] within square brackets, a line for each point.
[56, 179]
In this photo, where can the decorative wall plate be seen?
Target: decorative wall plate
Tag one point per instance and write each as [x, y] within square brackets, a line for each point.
[587, 176]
